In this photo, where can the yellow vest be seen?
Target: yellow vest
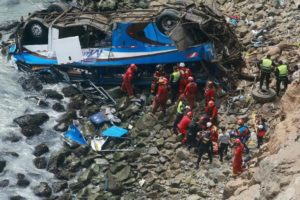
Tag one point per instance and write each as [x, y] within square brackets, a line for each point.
[180, 107]
[176, 76]
[266, 64]
[283, 70]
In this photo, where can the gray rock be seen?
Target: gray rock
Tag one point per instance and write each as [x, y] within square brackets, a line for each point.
[4, 183]
[61, 127]
[30, 131]
[68, 117]
[22, 181]
[32, 120]
[59, 186]
[153, 151]
[101, 161]
[86, 176]
[2, 165]
[193, 197]
[113, 185]
[31, 83]
[76, 186]
[40, 162]
[18, 197]
[52, 94]
[117, 167]
[123, 174]
[57, 159]
[175, 183]
[159, 142]
[40, 149]
[118, 156]
[146, 121]
[182, 154]
[70, 91]
[42, 190]
[12, 138]
[58, 107]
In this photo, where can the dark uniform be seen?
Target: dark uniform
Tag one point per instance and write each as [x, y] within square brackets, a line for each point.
[265, 72]
[193, 129]
[205, 146]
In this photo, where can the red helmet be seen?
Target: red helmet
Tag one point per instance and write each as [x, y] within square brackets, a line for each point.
[237, 141]
[133, 66]
[190, 79]
[240, 122]
[190, 114]
[211, 103]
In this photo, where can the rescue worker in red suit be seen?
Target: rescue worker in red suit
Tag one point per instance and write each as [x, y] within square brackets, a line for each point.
[190, 92]
[183, 126]
[157, 74]
[184, 74]
[214, 134]
[209, 92]
[237, 157]
[161, 97]
[127, 79]
[212, 111]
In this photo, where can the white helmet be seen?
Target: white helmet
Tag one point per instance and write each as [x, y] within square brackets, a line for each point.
[181, 64]
[208, 124]
[260, 127]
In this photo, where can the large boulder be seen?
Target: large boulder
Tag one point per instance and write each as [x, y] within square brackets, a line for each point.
[52, 94]
[31, 83]
[2, 165]
[57, 159]
[40, 149]
[17, 197]
[70, 91]
[58, 107]
[67, 117]
[113, 185]
[4, 183]
[42, 190]
[123, 174]
[30, 131]
[146, 121]
[59, 186]
[32, 119]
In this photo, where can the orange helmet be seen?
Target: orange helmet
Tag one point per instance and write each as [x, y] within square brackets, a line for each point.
[240, 122]
[211, 103]
[190, 79]
[190, 114]
[133, 66]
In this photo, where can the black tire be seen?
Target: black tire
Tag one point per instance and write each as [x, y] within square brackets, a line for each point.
[36, 30]
[57, 7]
[167, 20]
[263, 96]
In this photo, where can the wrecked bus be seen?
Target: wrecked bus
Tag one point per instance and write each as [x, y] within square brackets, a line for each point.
[84, 44]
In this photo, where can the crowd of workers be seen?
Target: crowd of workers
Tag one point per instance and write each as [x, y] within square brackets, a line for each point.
[200, 132]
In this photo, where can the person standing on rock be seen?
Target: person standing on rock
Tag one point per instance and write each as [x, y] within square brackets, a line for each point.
[191, 91]
[161, 98]
[281, 74]
[205, 146]
[127, 79]
[237, 162]
[185, 72]
[224, 141]
[174, 83]
[193, 129]
[265, 71]
[160, 72]
[183, 126]
[212, 112]
[181, 109]
[243, 133]
[209, 92]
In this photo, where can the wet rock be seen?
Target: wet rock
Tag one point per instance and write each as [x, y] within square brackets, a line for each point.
[52, 94]
[64, 175]
[68, 117]
[30, 131]
[31, 83]
[4, 183]
[18, 197]
[8, 25]
[58, 107]
[57, 159]
[2, 165]
[76, 186]
[81, 151]
[42, 190]
[61, 127]
[32, 119]
[40, 149]
[40, 162]
[12, 138]
[22, 181]
[70, 91]
[59, 186]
